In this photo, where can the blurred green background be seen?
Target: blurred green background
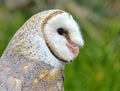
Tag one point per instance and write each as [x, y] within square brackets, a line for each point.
[97, 68]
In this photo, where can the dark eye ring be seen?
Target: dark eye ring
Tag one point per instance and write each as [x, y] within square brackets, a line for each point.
[60, 31]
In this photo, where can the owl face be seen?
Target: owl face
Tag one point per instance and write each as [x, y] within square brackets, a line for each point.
[63, 37]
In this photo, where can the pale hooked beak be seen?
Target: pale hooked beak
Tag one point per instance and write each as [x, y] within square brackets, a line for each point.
[74, 48]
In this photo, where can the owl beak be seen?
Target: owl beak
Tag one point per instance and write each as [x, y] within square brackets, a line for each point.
[74, 48]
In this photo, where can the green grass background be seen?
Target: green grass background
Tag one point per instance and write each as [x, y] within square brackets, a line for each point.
[97, 67]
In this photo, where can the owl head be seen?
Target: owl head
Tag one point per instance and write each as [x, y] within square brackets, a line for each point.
[48, 35]
[62, 35]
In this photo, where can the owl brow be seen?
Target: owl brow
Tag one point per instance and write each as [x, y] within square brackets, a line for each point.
[50, 16]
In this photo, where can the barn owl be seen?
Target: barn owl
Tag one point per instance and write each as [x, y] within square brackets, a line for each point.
[35, 58]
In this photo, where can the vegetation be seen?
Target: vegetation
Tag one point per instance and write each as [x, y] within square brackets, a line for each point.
[97, 68]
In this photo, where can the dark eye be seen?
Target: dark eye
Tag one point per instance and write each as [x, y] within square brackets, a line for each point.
[60, 31]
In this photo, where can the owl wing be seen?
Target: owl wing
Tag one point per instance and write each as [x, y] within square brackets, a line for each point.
[37, 77]
[34, 76]
[7, 82]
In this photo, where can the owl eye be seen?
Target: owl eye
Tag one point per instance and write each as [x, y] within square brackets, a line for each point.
[60, 31]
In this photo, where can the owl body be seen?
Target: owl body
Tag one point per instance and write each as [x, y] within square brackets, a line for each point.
[34, 60]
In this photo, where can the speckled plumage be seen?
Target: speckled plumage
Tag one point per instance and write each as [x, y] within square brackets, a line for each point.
[27, 64]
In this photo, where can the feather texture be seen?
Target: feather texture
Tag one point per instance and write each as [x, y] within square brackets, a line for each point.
[29, 63]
